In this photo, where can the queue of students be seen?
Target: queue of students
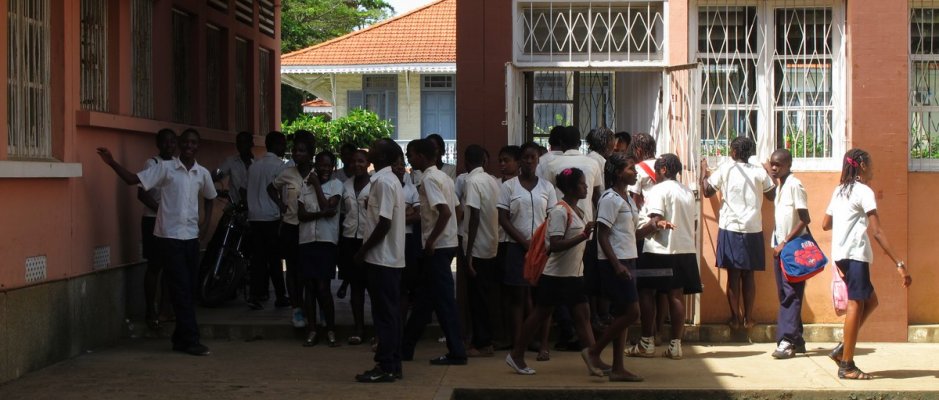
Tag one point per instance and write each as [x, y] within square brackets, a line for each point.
[619, 231]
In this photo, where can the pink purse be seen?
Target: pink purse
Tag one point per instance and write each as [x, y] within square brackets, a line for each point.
[839, 293]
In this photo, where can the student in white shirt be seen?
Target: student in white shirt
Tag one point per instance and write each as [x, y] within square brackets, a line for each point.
[166, 144]
[317, 211]
[851, 214]
[354, 198]
[446, 168]
[669, 262]
[411, 276]
[554, 142]
[642, 147]
[481, 224]
[436, 291]
[600, 141]
[792, 220]
[348, 170]
[523, 207]
[740, 246]
[235, 168]
[561, 283]
[382, 254]
[264, 216]
[182, 182]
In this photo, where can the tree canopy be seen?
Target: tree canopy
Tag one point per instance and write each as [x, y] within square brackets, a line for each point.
[307, 22]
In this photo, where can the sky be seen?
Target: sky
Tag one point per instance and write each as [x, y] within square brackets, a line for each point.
[403, 6]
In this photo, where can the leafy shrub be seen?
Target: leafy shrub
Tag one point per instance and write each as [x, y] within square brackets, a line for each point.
[360, 127]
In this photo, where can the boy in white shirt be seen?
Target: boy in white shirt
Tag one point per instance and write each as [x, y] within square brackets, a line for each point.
[182, 181]
[740, 246]
[166, 144]
[264, 216]
[481, 224]
[382, 254]
[235, 168]
[436, 292]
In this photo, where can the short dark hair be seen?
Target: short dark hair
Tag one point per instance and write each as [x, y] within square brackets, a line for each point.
[475, 154]
[785, 154]
[162, 133]
[671, 163]
[347, 147]
[570, 139]
[642, 146]
[190, 131]
[530, 145]
[568, 179]
[388, 150]
[624, 136]
[554, 136]
[273, 138]
[424, 147]
[304, 136]
[599, 139]
[438, 141]
[742, 147]
[614, 163]
[327, 153]
[512, 151]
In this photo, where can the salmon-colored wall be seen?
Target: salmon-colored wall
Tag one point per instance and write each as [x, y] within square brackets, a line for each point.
[65, 219]
[923, 229]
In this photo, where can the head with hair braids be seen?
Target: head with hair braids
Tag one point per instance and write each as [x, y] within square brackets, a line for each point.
[509, 157]
[667, 167]
[856, 166]
[619, 169]
[642, 146]
[571, 182]
[601, 140]
[741, 148]
[530, 154]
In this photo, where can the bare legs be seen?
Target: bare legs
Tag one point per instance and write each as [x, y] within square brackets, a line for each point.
[616, 333]
[539, 316]
[357, 301]
[741, 284]
[858, 311]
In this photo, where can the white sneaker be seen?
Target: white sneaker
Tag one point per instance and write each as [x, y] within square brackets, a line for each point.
[645, 348]
[674, 350]
[298, 320]
[784, 350]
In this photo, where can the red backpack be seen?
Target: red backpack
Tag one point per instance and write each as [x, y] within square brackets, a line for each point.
[537, 256]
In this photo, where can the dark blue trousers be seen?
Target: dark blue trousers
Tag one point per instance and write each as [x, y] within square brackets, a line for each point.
[181, 269]
[480, 288]
[435, 294]
[384, 288]
[789, 319]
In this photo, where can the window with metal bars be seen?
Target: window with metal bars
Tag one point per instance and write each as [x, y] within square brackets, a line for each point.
[29, 101]
[94, 55]
[924, 85]
[142, 50]
[565, 98]
[773, 71]
[215, 89]
[443, 82]
[266, 93]
[242, 80]
[182, 66]
[566, 31]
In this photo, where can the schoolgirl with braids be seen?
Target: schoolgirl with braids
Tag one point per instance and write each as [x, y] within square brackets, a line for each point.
[668, 262]
[740, 244]
[851, 214]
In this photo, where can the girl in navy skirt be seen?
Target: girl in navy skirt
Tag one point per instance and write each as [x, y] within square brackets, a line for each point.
[740, 245]
[319, 232]
[562, 282]
[523, 207]
[354, 197]
[850, 215]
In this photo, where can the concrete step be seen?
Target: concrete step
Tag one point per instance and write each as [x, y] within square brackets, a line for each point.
[673, 394]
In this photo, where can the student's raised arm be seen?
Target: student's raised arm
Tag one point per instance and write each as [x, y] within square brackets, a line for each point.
[706, 189]
[128, 177]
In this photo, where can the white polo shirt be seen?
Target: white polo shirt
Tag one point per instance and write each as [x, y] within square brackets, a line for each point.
[416, 176]
[543, 161]
[289, 183]
[601, 163]
[622, 217]
[261, 207]
[323, 229]
[790, 198]
[742, 186]
[482, 193]
[353, 207]
[592, 175]
[153, 192]
[178, 215]
[437, 188]
[237, 172]
[527, 209]
[386, 200]
[570, 262]
[644, 181]
[675, 202]
[849, 238]
[411, 199]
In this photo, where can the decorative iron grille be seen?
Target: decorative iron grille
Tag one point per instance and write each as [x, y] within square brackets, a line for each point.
[142, 37]
[94, 55]
[924, 83]
[29, 102]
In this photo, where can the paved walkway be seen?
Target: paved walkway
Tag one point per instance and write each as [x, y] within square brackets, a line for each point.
[283, 369]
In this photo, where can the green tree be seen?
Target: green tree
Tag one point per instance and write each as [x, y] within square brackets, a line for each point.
[305, 23]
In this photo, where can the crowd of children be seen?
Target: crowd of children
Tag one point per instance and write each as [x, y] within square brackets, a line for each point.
[618, 226]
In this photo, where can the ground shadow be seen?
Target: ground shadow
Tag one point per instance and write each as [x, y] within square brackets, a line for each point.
[825, 351]
[905, 374]
[729, 354]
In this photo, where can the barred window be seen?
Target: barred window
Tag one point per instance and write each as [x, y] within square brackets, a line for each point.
[242, 95]
[94, 55]
[924, 85]
[215, 45]
[266, 93]
[582, 99]
[29, 101]
[142, 37]
[182, 67]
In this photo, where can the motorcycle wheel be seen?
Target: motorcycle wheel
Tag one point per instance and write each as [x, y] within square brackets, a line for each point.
[217, 289]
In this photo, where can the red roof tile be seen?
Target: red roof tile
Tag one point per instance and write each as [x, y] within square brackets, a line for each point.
[317, 103]
[424, 35]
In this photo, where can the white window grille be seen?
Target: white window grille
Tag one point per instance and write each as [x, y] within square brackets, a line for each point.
[438, 82]
[773, 71]
[142, 37]
[571, 33]
[242, 95]
[266, 93]
[266, 17]
[94, 55]
[214, 71]
[924, 85]
[182, 66]
[29, 101]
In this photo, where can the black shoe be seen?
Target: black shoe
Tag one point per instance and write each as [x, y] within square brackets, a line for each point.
[255, 304]
[194, 349]
[375, 375]
[282, 302]
[800, 348]
[398, 375]
[447, 360]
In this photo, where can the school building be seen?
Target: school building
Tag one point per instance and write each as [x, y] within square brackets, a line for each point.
[816, 76]
[87, 73]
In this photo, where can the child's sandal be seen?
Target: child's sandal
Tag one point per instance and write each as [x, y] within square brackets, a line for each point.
[543, 355]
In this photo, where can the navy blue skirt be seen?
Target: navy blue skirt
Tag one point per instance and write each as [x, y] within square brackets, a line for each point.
[514, 263]
[317, 260]
[738, 250]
